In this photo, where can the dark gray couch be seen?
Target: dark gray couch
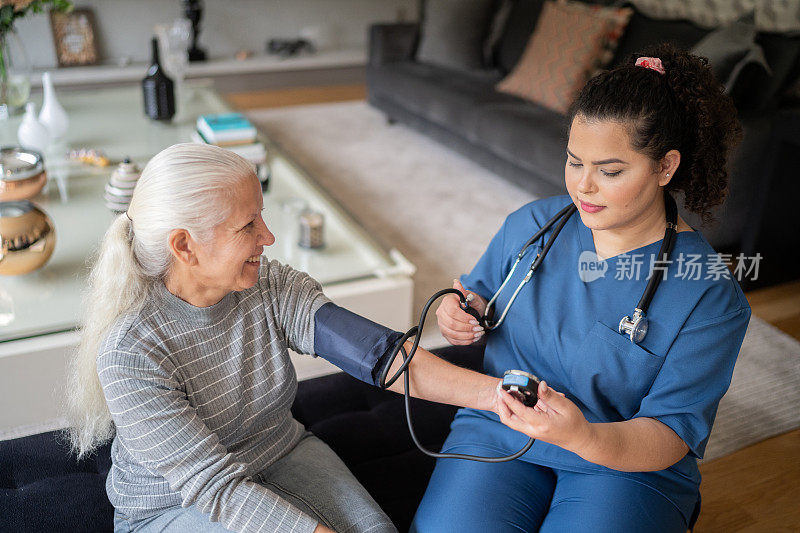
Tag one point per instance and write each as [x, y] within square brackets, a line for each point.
[525, 143]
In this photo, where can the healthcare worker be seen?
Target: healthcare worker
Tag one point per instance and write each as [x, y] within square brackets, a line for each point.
[619, 424]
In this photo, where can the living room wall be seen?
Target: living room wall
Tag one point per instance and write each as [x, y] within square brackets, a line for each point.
[123, 27]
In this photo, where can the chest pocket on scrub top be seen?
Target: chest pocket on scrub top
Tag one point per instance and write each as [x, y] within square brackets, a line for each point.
[610, 374]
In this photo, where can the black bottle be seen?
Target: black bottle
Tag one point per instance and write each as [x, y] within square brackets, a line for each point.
[159, 91]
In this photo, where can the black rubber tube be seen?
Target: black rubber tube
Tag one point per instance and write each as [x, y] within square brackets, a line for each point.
[663, 253]
[404, 369]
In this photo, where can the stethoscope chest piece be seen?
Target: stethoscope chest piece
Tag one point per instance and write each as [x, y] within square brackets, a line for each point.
[635, 328]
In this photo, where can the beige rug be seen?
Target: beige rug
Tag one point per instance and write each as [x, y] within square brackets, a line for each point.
[440, 210]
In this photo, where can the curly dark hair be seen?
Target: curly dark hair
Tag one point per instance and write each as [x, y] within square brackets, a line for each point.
[685, 109]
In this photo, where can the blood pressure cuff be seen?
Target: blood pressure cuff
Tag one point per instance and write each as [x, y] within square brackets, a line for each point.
[355, 344]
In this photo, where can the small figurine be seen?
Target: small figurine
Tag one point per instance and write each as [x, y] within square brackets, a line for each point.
[119, 188]
[243, 54]
[193, 9]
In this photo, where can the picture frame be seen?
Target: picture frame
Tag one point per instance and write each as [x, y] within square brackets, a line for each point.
[74, 37]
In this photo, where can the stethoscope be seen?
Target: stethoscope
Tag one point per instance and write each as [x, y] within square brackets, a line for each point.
[519, 382]
[636, 327]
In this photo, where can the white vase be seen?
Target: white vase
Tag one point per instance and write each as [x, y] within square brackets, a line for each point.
[52, 115]
[32, 133]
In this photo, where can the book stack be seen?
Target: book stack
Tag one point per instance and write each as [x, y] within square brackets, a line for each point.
[231, 131]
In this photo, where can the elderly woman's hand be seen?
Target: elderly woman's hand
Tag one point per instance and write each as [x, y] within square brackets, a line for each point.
[456, 325]
[554, 419]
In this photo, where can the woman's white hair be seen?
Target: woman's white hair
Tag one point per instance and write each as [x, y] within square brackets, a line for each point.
[186, 186]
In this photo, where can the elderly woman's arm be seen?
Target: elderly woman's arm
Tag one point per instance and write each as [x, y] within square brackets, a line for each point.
[297, 301]
[293, 298]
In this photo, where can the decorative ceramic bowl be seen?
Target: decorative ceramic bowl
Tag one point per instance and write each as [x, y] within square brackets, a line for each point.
[27, 238]
[22, 173]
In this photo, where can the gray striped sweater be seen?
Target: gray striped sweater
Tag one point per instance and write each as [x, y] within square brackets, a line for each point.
[200, 398]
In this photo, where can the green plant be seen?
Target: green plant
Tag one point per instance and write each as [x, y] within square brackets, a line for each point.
[10, 10]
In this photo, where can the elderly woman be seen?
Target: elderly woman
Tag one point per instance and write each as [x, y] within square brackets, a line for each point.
[184, 361]
[620, 420]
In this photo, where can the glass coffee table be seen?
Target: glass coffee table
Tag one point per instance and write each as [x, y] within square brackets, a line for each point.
[39, 311]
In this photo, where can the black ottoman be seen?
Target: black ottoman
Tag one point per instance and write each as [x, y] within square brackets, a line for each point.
[44, 488]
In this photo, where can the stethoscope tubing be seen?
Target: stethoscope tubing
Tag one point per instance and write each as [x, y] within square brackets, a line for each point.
[664, 251]
[561, 218]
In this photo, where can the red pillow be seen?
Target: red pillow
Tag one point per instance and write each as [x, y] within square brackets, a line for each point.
[571, 42]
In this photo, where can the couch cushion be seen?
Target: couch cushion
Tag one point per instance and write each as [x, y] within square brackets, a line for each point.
[791, 96]
[725, 47]
[570, 42]
[43, 487]
[446, 97]
[757, 90]
[643, 31]
[495, 31]
[453, 32]
[530, 135]
[518, 30]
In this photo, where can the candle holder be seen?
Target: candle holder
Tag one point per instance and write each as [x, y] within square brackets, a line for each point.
[312, 226]
[193, 9]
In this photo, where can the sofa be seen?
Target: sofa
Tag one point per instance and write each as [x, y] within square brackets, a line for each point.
[44, 488]
[525, 142]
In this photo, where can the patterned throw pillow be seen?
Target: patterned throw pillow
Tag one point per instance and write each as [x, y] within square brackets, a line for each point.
[571, 43]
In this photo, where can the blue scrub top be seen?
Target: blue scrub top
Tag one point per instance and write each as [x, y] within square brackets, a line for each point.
[563, 328]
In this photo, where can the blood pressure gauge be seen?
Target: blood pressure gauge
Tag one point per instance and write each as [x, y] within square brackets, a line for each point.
[522, 385]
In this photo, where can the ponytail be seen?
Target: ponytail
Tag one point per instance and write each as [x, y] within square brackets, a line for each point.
[116, 286]
[712, 129]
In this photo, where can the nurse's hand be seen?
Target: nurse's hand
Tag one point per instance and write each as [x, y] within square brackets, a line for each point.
[554, 419]
[456, 325]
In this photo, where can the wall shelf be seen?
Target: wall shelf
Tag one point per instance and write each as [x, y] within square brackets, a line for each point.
[99, 74]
